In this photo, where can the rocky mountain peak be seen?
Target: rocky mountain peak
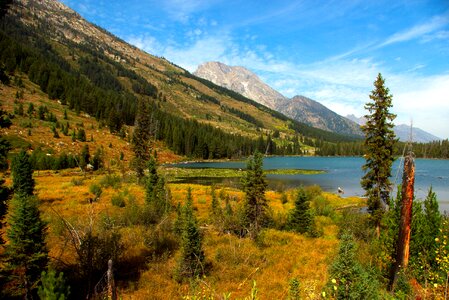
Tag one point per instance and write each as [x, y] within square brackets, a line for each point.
[240, 80]
[300, 108]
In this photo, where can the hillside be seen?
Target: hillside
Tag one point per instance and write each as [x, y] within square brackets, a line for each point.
[299, 108]
[89, 70]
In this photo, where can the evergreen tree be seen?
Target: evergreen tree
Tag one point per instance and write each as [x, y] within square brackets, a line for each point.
[141, 138]
[53, 287]
[22, 173]
[300, 219]
[84, 156]
[155, 192]
[177, 226]
[41, 112]
[5, 121]
[30, 110]
[20, 109]
[5, 195]
[81, 135]
[216, 213]
[349, 280]
[426, 223]
[97, 160]
[5, 146]
[379, 142]
[215, 208]
[55, 132]
[256, 205]
[152, 181]
[26, 252]
[191, 261]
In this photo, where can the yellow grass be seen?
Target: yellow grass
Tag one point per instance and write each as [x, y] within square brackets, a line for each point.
[233, 262]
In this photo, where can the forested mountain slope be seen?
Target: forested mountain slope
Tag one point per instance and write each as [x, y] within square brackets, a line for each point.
[89, 70]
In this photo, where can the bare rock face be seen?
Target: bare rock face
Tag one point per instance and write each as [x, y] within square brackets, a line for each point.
[300, 108]
[240, 80]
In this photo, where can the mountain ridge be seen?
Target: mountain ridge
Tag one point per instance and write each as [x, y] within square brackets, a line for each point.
[300, 108]
[402, 131]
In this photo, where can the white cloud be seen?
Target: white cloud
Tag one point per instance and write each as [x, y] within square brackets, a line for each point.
[439, 35]
[417, 31]
[423, 99]
[146, 43]
[425, 32]
[207, 49]
[341, 84]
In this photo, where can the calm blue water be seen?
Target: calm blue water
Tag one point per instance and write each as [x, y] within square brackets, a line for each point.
[345, 172]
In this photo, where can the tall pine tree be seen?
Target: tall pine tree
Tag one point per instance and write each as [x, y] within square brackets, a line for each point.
[191, 261]
[22, 173]
[141, 138]
[156, 197]
[5, 194]
[379, 142]
[300, 219]
[152, 180]
[26, 252]
[256, 205]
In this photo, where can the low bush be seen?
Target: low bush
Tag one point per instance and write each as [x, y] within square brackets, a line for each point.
[113, 181]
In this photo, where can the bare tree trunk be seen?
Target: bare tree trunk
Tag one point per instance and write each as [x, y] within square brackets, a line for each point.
[403, 243]
[112, 295]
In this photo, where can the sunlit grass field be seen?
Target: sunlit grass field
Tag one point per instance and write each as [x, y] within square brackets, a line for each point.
[233, 263]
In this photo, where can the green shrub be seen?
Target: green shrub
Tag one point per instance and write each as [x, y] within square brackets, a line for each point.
[77, 181]
[96, 190]
[321, 207]
[26, 124]
[118, 200]
[284, 198]
[294, 291]
[161, 239]
[356, 223]
[53, 287]
[113, 181]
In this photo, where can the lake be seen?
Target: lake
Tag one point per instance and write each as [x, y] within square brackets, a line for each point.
[344, 172]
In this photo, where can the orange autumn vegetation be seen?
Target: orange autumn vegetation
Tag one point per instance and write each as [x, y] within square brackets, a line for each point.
[276, 258]
[233, 263]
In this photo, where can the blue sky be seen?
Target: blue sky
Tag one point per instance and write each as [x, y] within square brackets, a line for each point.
[330, 51]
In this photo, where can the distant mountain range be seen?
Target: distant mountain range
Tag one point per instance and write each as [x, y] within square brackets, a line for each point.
[300, 108]
[402, 131]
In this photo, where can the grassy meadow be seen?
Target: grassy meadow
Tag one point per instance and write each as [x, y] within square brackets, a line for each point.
[233, 263]
[69, 205]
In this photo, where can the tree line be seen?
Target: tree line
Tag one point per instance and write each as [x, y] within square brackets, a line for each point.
[435, 149]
